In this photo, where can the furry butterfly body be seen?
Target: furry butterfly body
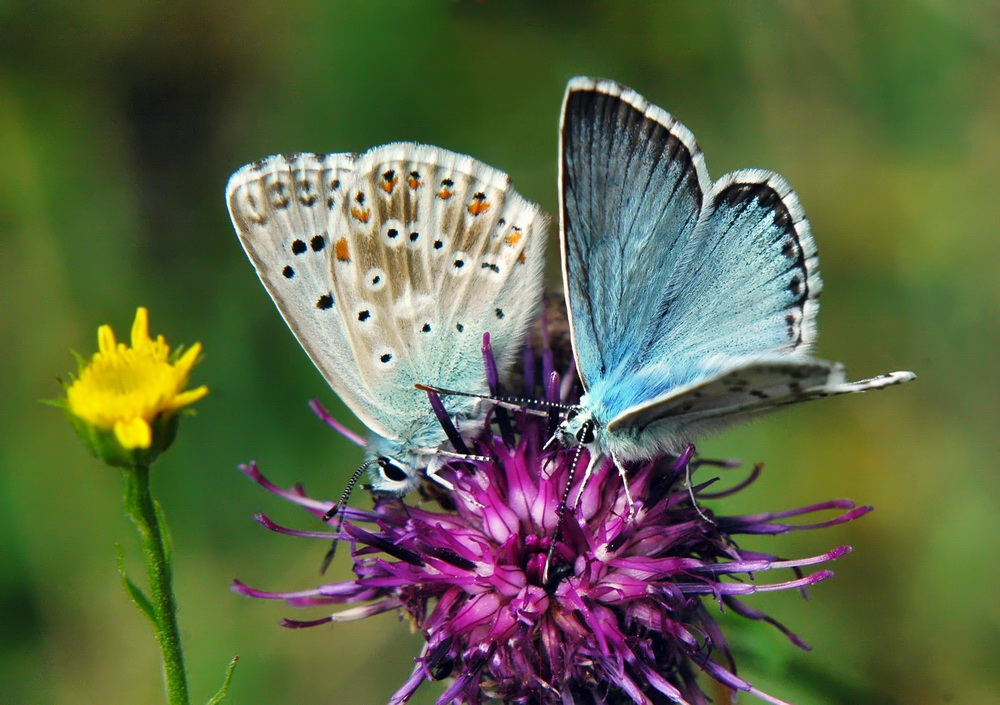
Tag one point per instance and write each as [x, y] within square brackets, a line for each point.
[389, 267]
[692, 303]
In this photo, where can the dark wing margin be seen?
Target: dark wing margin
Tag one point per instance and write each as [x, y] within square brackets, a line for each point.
[632, 184]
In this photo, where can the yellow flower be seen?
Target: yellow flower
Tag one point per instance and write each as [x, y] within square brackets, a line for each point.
[129, 390]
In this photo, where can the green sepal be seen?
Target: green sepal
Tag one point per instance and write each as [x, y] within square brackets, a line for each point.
[104, 445]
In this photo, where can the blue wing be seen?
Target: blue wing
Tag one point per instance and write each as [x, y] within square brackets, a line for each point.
[632, 182]
[672, 279]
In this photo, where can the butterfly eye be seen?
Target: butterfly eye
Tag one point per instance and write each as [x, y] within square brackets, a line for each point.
[391, 471]
[573, 413]
[586, 434]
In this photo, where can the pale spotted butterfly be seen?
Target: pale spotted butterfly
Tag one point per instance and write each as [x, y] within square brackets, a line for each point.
[389, 267]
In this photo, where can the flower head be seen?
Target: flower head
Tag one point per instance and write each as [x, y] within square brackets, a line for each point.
[623, 613]
[123, 401]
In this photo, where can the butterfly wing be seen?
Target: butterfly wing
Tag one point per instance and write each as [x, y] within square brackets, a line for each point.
[669, 276]
[692, 303]
[752, 386]
[433, 250]
[750, 282]
[365, 273]
[283, 209]
[632, 182]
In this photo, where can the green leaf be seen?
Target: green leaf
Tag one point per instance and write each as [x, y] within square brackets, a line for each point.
[139, 598]
[217, 698]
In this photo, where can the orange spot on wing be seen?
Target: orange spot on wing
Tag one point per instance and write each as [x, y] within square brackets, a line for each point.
[343, 252]
[479, 206]
[389, 185]
[514, 238]
[414, 182]
[445, 193]
[521, 258]
[362, 214]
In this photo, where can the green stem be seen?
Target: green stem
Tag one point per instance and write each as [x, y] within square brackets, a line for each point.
[142, 511]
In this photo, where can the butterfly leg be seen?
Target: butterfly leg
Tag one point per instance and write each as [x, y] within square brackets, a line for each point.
[628, 493]
[595, 457]
[433, 468]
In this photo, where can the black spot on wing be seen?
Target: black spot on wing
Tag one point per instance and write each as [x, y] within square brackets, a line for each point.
[279, 195]
[306, 193]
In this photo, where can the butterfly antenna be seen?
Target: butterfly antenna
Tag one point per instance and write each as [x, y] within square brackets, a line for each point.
[462, 456]
[561, 511]
[515, 403]
[340, 508]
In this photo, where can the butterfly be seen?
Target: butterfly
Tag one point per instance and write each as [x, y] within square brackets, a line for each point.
[692, 303]
[389, 267]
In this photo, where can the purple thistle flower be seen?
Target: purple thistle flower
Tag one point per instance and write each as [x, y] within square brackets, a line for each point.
[624, 616]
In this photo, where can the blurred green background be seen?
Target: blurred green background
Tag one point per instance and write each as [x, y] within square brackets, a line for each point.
[120, 123]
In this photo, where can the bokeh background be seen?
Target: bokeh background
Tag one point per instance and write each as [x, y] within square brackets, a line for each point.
[120, 123]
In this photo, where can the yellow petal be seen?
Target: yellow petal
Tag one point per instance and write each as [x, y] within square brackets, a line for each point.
[106, 339]
[140, 329]
[187, 360]
[134, 433]
[188, 397]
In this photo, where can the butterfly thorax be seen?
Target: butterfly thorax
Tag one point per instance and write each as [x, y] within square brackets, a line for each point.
[623, 388]
[612, 397]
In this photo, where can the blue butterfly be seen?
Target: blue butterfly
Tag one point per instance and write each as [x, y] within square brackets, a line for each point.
[692, 303]
[389, 267]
